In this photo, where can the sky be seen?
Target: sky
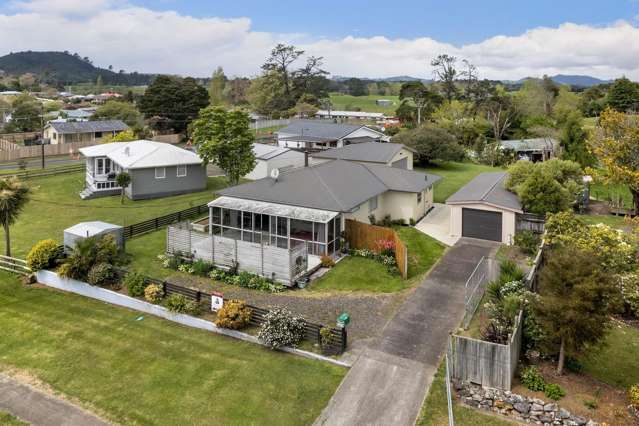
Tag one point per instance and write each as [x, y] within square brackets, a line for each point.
[507, 39]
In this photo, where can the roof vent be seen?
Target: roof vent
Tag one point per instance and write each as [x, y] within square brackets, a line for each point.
[127, 151]
[275, 173]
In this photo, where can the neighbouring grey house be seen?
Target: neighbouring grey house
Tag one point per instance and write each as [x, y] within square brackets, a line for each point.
[81, 131]
[390, 154]
[85, 230]
[157, 169]
[269, 157]
[537, 149]
[485, 209]
[322, 134]
[80, 114]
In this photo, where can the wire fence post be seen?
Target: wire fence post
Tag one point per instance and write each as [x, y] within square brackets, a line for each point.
[451, 420]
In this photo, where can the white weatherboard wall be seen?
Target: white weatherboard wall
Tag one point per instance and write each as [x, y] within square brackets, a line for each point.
[508, 222]
[51, 279]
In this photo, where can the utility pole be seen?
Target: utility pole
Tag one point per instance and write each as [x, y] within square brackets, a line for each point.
[42, 133]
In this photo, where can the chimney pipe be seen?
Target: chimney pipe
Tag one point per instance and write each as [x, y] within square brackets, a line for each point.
[305, 157]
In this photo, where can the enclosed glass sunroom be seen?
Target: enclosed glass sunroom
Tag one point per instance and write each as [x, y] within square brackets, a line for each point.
[279, 225]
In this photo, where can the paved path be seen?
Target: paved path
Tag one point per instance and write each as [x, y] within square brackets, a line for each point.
[41, 409]
[437, 224]
[388, 382]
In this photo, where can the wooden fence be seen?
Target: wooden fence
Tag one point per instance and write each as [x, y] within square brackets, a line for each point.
[488, 364]
[491, 364]
[337, 339]
[12, 264]
[49, 150]
[7, 145]
[37, 173]
[530, 222]
[19, 137]
[364, 236]
[154, 224]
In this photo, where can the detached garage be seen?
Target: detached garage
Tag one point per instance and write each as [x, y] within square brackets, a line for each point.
[484, 209]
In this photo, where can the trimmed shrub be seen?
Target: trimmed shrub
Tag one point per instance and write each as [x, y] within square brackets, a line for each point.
[633, 395]
[101, 274]
[527, 241]
[327, 261]
[153, 293]
[281, 328]
[532, 379]
[234, 315]
[135, 284]
[44, 255]
[180, 304]
[554, 391]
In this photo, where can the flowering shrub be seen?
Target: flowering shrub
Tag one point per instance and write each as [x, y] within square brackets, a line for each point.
[234, 315]
[385, 247]
[101, 274]
[170, 261]
[44, 255]
[630, 291]
[153, 293]
[281, 328]
[387, 260]
[187, 268]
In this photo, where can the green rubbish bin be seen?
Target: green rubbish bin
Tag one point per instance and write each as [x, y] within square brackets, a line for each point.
[343, 320]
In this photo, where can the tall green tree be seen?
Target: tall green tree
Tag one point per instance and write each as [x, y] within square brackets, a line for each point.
[217, 86]
[280, 60]
[576, 300]
[445, 72]
[623, 95]
[14, 195]
[431, 143]
[174, 100]
[574, 140]
[423, 99]
[224, 138]
[26, 114]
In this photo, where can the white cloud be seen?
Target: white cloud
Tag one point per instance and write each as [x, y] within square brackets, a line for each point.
[136, 38]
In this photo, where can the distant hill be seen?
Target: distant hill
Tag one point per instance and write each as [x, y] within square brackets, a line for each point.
[572, 80]
[395, 79]
[65, 68]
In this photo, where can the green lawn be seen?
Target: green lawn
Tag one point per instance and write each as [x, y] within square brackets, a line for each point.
[364, 103]
[360, 274]
[144, 250]
[7, 419]
[55, 205]
[152, 371]
[617, 361]
[454, 175]
[435, 409]
[610, 220]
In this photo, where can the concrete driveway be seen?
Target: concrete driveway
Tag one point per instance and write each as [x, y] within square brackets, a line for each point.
[389, 381]
[436, 224]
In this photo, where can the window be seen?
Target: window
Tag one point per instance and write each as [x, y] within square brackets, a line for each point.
[216, 215]
[55, 136]
[372, 204]
[419, 197]
[98, 134]
[160, 172]
[102, 166]
[181, 171]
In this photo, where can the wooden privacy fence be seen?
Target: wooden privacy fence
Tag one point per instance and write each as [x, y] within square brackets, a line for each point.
[484, 363]
[7, 145]
[335, 344]
[49, 150]
[364, 236]
[159, 222]
[530, 222]
[12, 264]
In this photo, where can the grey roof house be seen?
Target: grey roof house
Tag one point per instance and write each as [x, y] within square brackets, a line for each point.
[270, 157]
[536, 149]
[308, 206]
[485, 209]
[390, 154]
[322, 134]
[57, 132]
[157, 169]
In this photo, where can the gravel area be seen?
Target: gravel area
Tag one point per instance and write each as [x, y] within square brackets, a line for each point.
[369, 312]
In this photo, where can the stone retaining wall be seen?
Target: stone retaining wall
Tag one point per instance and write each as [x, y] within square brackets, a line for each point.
[518, 407]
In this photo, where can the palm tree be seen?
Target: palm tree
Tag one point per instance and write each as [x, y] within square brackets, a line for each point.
[123, 180]
[13, 196]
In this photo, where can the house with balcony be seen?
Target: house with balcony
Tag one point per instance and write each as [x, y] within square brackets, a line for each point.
[58, 132]
[157, 170]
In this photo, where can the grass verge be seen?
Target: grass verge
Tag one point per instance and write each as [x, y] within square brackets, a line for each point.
[7, 419]
[137, 369]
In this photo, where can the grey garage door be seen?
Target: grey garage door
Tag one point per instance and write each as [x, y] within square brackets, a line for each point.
[401, 164]
[481, 224]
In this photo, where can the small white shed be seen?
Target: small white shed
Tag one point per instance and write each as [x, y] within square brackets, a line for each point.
[92, 229]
